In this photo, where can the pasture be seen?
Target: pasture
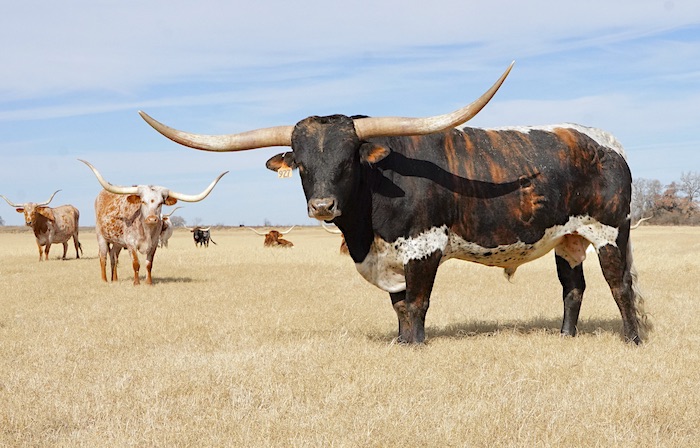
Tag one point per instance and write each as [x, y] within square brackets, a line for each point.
[241, 345]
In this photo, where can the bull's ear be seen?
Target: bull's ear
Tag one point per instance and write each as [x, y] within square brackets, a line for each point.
[20, 210]
[284, 161]
[134, 199]
[170, 200]
[46, 212]
[373, 153]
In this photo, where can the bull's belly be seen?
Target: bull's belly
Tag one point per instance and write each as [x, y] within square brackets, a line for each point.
[384, 264]
[127, 237]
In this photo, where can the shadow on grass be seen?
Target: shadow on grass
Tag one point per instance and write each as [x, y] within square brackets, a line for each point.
[485, 328]
[157, 280]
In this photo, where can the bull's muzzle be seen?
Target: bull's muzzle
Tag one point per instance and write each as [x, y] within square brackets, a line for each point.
[151, 220]
[323, 209]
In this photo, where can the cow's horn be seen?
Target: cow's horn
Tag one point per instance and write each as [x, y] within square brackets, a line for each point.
[11, 204]
[288, 230]
[250, 228]
[116, 189]
[197, 197]
[259, 138]
[329, 229]
[393, 126]
[50, 199]
[171, 212]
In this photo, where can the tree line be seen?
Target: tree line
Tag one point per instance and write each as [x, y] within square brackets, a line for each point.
[672, 204]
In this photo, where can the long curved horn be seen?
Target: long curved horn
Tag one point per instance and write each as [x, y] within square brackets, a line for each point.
[116, 189]
[365, 127]
[259, 138]
[641, 220]
[171, 212]
[50, 199]
[394, 126]
[335, 231]
[197, 197]
[11, 204]
[261, 234]
[288, 230]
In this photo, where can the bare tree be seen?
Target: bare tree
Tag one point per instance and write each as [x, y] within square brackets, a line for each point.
[690, 185]
[645, 193]
[178, 221]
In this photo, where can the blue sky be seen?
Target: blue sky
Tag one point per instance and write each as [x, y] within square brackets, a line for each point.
[75, 73]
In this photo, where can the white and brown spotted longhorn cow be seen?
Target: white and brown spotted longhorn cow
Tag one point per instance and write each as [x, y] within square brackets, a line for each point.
[130, 217]
[51, 225]
[166, 231]
[410, 193]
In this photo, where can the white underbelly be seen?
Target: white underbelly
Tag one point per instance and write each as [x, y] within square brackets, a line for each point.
[384, 264]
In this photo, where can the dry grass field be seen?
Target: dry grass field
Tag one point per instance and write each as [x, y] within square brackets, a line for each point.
[239, 345]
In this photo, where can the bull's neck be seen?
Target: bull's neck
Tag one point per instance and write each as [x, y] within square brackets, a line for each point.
[356, 220]
[40, 225]
[150, 234]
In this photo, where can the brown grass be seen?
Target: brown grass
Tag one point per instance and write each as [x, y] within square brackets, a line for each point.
[238, 345]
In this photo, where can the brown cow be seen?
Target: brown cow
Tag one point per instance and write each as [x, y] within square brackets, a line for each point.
[273, 238]
[51, 225]
[130, 217]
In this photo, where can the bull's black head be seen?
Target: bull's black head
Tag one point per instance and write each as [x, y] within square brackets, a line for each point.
[328, 154]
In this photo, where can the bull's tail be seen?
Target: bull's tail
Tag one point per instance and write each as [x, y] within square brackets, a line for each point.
[645, 326]
[80, 246]
[212, 240]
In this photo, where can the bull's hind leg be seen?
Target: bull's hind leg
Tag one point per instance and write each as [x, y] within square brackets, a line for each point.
[573, 285]
[65, 250]
[114, 261]
[411, 305]
[616, 264]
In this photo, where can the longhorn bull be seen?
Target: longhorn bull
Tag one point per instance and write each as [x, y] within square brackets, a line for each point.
[410, 193]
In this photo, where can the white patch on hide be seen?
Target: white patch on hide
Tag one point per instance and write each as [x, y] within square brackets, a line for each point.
[384, 264]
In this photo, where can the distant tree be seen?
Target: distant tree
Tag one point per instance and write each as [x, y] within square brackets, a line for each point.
[178, 221]
[645, 193]
[2, 221]
[690, 185]
[196, 222]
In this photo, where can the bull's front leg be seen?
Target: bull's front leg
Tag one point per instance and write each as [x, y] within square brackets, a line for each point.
[411, 305]
[149, 265]
[136, 265]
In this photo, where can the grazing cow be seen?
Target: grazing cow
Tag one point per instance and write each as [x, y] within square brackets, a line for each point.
[202, 236]
[343, 245]
[51, 225]
[273, 238]
[410, 193]
[130, 217]
[167, 231]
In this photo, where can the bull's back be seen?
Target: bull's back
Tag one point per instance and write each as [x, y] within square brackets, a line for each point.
[497, 187]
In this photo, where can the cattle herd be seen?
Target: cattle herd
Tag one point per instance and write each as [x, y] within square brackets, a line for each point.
[407, 194]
